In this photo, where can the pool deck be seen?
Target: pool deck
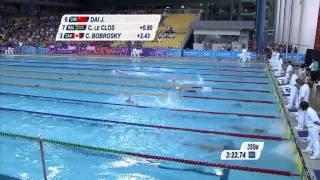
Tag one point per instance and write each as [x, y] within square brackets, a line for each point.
[309, 164]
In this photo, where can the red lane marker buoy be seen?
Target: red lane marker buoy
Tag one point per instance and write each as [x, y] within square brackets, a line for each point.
[210, 164]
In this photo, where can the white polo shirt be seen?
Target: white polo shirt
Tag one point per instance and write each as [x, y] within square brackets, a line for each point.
[304, 93]
[311, 117]
[294, 77]
[280, 61]
[289, 69]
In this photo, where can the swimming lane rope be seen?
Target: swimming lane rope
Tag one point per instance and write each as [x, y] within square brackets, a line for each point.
[96, 74]
[124, 76]
[121, 83]
[111, 69]
[141, 93]
[124, 65]
[148, 156]
[240, 135]
[128, 83]
[107, 91]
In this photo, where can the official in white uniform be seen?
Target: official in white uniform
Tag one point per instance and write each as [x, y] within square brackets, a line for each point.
[279, 67]
[313, 123]
[273, 55]
[276, 60]
[293, 99]
[288, 71]
[243, 56]
[304, 93]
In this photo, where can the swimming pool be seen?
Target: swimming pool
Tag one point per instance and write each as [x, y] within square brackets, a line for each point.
[82, 101]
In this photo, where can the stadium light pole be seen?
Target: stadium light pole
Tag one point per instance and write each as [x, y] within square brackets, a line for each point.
[257, 15]
[231, 10]
[31, 9]
[261, 23]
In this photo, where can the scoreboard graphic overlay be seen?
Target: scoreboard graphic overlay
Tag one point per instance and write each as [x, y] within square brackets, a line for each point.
[93, 27]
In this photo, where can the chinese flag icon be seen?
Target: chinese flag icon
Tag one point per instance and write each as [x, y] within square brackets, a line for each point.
[82, 19]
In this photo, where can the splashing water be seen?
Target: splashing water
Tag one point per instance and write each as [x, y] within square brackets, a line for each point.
[190, 82]
[138, 74]
[170, 102]
[206, 89]
[137, 68]
[218, 172]
[166, 70]
[128, 162]
[200, 80]
[53, 172]
[24, 176]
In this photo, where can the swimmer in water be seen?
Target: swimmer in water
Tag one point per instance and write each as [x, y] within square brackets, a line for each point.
[115, 71]
[237, 104]
[171, 80]
[118, 72]
[191, 90]
[248, 130]
[130, 101]
[213, 147]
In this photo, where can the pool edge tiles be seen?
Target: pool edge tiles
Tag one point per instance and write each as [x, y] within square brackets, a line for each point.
[284, 116]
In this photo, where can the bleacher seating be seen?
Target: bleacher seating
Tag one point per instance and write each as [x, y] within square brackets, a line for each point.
[42, 31]
[181, 23]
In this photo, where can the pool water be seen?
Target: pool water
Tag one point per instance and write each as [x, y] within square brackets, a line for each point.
[59, 98]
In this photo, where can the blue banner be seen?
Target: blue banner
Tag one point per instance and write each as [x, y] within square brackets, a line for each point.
[214, 54]
[28, 50]
[161, 52]
[224, 55]
[43, 51]
[295, 57]
[196, 53]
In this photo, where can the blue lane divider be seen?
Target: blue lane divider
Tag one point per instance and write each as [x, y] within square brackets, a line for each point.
[80, 101]
[171, 62]
[84, 101]
[207, 112]
[72, 117]
[165, 86]
[123, 65]
[120, 76]
[273, 138]
[111, 69]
